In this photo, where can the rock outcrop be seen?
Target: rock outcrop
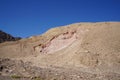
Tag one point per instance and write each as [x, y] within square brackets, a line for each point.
[7, 37]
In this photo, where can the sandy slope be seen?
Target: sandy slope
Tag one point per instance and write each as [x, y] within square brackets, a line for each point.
[86, 47]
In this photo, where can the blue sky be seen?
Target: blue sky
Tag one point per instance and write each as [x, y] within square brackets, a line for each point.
[24, 18]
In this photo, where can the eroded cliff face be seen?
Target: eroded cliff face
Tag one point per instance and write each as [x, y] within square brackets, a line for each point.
[60, 41]
[57, 42]
[93, 47]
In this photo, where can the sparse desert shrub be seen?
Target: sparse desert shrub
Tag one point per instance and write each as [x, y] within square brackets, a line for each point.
[37, 78]
[15, 76]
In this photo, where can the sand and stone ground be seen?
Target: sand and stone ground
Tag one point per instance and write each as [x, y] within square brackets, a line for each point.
[18, 70]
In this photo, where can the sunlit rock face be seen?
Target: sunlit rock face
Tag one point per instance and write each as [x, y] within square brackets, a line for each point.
[59, 42]
[92, 47]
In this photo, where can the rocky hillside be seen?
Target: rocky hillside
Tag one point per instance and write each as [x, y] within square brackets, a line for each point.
[7, 37]
[82, 51]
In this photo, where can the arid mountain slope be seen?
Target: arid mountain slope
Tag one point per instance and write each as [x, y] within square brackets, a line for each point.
[86, 47]
[7, 37]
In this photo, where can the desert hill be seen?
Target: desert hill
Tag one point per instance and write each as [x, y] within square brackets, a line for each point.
[7, 37]
[93, 48]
